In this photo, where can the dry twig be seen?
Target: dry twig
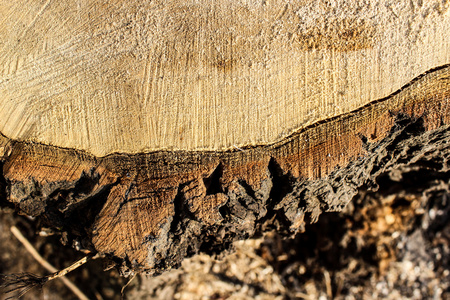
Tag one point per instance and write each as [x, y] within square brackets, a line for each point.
[22, 283]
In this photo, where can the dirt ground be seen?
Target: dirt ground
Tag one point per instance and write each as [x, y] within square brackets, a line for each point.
[389, 244]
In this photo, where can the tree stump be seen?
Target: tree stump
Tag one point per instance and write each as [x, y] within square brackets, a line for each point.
[151, 130]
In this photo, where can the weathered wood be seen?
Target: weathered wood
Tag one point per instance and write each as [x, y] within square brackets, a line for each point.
[150, 131]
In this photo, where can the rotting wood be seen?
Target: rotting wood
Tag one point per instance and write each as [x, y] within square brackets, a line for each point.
[149, 210]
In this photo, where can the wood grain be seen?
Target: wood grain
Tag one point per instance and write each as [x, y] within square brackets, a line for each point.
[142, 76]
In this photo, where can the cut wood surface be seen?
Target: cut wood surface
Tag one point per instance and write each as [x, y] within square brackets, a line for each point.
[136, 76]
[149, 131]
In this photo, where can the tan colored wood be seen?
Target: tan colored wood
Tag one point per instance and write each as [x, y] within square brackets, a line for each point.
[137, 76]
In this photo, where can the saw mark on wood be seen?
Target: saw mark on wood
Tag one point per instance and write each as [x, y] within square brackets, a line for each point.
[158, 58]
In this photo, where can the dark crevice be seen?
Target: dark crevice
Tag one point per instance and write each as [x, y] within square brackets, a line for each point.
[3, 194]
[407, 126]
[248, 189]
[178, 208]
[88, 210]
[181, 214]
[282, 183]
[78, 217]
[212, 183]
[213, 244]
[435, 164]
[225, 212]
[72, 198]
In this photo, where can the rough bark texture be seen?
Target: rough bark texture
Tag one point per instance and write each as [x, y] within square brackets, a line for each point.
[149, 211]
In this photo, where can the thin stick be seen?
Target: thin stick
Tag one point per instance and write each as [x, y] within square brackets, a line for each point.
[125, 286]
[326, 274]
[51, 268]
[303, 296]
